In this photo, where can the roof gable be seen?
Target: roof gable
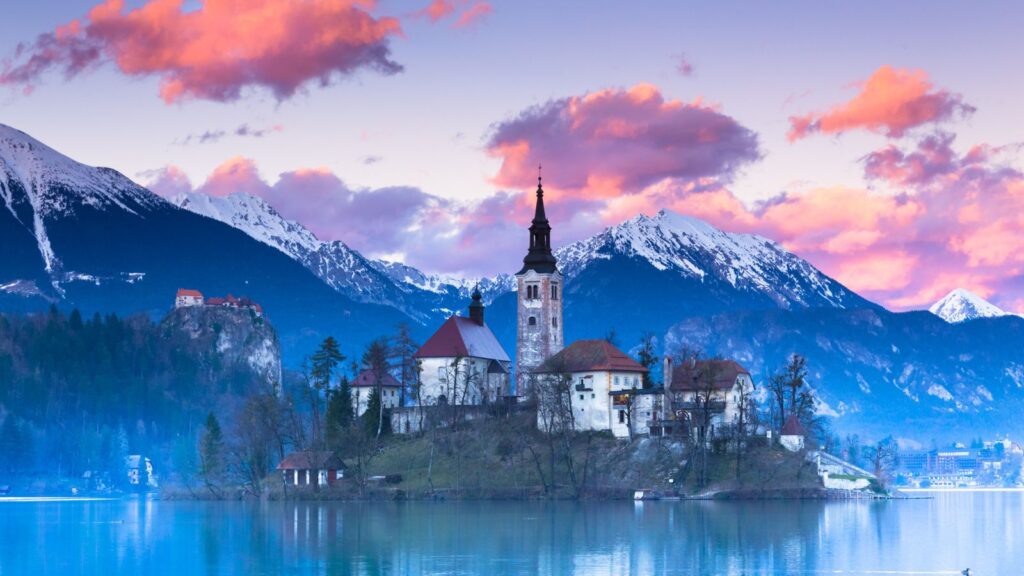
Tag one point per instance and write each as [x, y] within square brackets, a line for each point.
[590, 355]
[310, 460]
[692, 375]
[793, 427]
[368, 379]
[463, 337]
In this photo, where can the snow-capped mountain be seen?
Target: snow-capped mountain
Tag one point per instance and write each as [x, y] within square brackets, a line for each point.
[90, 238]
[38, 187]
[962, 305]
[422, 296]
[691, 248]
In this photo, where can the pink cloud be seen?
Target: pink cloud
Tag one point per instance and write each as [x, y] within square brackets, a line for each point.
[468, 12]
[613, 142]
[473, 14]
[891, 102]
[218, 49]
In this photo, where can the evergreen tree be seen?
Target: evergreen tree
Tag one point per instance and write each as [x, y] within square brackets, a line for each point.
[403, 356]
[212, 459]
[375, 359]
[647, 358]
[324, 362]
[376, 419]
[119, 465]
[339, 413]
[10, 445]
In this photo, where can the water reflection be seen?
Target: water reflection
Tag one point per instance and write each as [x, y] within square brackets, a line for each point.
[136, 536]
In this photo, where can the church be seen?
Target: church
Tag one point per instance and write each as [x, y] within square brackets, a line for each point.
[463, 365]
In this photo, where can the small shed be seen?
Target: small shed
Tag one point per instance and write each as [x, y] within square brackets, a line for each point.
[792, 434]
[309, 468]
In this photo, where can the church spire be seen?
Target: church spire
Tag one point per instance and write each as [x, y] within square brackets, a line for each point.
[539, 258]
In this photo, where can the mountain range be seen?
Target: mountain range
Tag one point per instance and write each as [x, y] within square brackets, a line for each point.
[93, 239]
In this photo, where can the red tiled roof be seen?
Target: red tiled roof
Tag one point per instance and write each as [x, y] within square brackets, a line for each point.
[690, 376]
[189, 292]
[367, 379]
[463, 337]
[312, 461]
[793, 427]
[590, 355]
[215, 301]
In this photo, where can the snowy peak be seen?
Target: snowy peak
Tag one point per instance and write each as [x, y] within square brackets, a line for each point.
[962, 305]
[252, 215]
[692, 248]
[54, 184]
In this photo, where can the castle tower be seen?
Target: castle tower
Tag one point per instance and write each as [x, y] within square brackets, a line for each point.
[539, 318]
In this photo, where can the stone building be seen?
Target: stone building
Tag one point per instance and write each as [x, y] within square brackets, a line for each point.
[539, 316]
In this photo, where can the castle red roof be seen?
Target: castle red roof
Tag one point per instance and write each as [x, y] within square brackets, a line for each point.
[590, 355]
[367, 379]
[463, 337]
[189, 292]
[694, 375]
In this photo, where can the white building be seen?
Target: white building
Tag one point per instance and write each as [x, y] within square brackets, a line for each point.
[717, 389]
[187, 298]
[463, 364]
[363, 385]
[598, 385]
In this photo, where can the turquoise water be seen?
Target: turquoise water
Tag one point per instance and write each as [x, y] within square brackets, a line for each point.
[984, 531]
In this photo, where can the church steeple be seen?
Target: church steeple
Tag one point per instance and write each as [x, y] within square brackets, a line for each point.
[539, 258]
[476, 308]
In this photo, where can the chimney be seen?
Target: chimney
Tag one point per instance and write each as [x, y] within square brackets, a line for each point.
[666, 374]
[476, 308]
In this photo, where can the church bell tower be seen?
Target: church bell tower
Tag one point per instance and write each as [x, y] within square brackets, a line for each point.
[539, 319]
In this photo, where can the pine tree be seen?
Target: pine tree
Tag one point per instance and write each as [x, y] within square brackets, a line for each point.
[324, 363]
[647, 358]
[10, 444]
[376, 419]
[211, 452]
[119, 466]
[375, 359]
[339, 413]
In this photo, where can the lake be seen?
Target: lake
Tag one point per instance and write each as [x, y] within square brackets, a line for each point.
[941, 535]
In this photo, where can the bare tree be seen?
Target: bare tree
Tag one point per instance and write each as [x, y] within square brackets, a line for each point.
[746, 420]
[401, 355]
[556, 416]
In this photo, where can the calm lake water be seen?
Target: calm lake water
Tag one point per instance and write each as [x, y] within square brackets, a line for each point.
[943, 535]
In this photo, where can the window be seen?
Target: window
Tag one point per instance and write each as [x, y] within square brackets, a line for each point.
[622, 417]
[617, 380]
[554, 321]
[581, 396]
[593, 396]
[532, 291]
[532, 321]
[440, 373]
[554, 290]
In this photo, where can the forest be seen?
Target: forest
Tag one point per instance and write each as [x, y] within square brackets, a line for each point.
[78, 394]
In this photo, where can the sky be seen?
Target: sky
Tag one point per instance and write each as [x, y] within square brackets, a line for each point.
[881, 141]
